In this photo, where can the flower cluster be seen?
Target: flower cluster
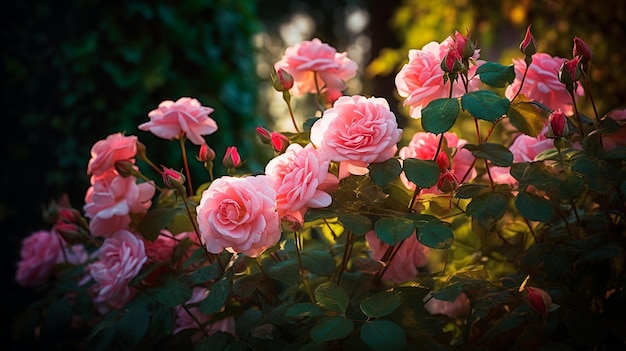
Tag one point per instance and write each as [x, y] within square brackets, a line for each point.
[354, 233]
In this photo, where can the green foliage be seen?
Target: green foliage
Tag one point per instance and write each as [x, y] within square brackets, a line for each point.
[439, 115]
[485, 105]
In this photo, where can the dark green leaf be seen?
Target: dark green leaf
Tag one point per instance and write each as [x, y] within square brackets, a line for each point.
[485, 105]
[423, 173]
[217, 297]
[468, 191]
[318, 262]
[287, 272]
[436, 235]
[380, 304]
[487, 206]
[601, 253]
[448, 293]
[246, 285]
[332, 297]
[356, 223]
[533, 207]
[495, 74]
[304, 309]
[154, 221]
[439, 115]
[393, 230]
[384, 172]
[205, 274]
[496, 153]
[383, 335]
[58, 315]
[174, 293]
[133, 325]
[509, 321]
[332, 328]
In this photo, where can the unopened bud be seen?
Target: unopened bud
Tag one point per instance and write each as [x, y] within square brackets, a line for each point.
[279, 142]
[582, 49]
[557, 126]
[264, 135]
[451, 63]
[231, 158]
[282, 80]
[570, 71]
[205, 154]
[528, 46]
[125, 168]
[291, 222]
[173, 179]
[538, 299]
[447, 182]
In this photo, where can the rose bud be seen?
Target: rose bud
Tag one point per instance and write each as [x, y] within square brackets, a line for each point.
[557, 126]
[231, 158]
[582, 49]
[125, 168]
[264, 135]
[538, 299]
[451, 63]
[446, 182]
[173, 179]
[205, 154]
[528, 46]
[279, 142]
[282, 80]
[570, 71]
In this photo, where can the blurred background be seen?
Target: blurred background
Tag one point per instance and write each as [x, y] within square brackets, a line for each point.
[75, 71]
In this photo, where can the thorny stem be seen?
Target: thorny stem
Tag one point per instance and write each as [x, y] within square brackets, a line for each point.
[391, 252]
[200, 326]
[186, 163]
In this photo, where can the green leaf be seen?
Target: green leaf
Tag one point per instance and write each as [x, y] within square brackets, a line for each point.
[383, 335]
[490, 206]
[423, 173]
[318, 262]
[287, 272]
[332, 297]
[599, 254]
[439, 115]
[533, 207]
[393, 230]
[384, 172]
[485, 105]
[448, 293]
[526, 116]
[356, 223]
[618, 153]
[205, 274]
[436, 235]
[133, 325]
[154, 221]
[496, 153]
[331, 328]
[303, 309]
[246, 285]
[217, 297]
[380, 304]
[495, 74]
[468, 191]
[174, 293]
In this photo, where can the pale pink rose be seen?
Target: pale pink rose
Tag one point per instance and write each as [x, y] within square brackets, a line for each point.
[454, 310]
[186, 116]
[423, 146]
[105, 227]
[542, 83]
[404, 266]
[302, 179]
[162, 247]
[309, 58]
[39, 253]
[239, 214]
[104, 153]
[613, 140]
[192, 318]
[117, 198]
[119, 260]
[420, 81]
[357, 130]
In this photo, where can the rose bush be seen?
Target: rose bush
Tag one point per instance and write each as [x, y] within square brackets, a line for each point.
[349, 238]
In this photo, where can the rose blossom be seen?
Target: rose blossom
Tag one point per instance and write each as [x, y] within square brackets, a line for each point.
[119, 260]
[104, 153]
[357, 130]
[192, 318]
[186, 116]
[239, 214]
[302, 180]
[423, 146]
[307, 59]
[542, 83]
[420, 81]
[38, 254]
[404, 265]
[454, 309]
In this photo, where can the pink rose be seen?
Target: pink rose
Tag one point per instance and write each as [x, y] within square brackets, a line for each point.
[117, 198]
[542, 83]
[308, 58]
[162, 247]
[420, 81]
[38, 254]
[423, 146]
[185, 117]
[104, 153]
[119, 260]
[192, 318]
[239, 214]
[357, 130]
[404, 265]
[302, 180]
[618, 138]
[454, 310]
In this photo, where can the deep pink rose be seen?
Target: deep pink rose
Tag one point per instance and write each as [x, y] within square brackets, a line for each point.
[420, 81]
[404, 266]
[423, 146]
[542, 83]
[119, 260]
[538, 299]
[186, 117]
[357, 130]
[104, 153]
[302, 180]
[454, 310]
[308, 58]
[117, 198]
[618, 138]
[192, 318]
[239, 214]
[38, 254]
